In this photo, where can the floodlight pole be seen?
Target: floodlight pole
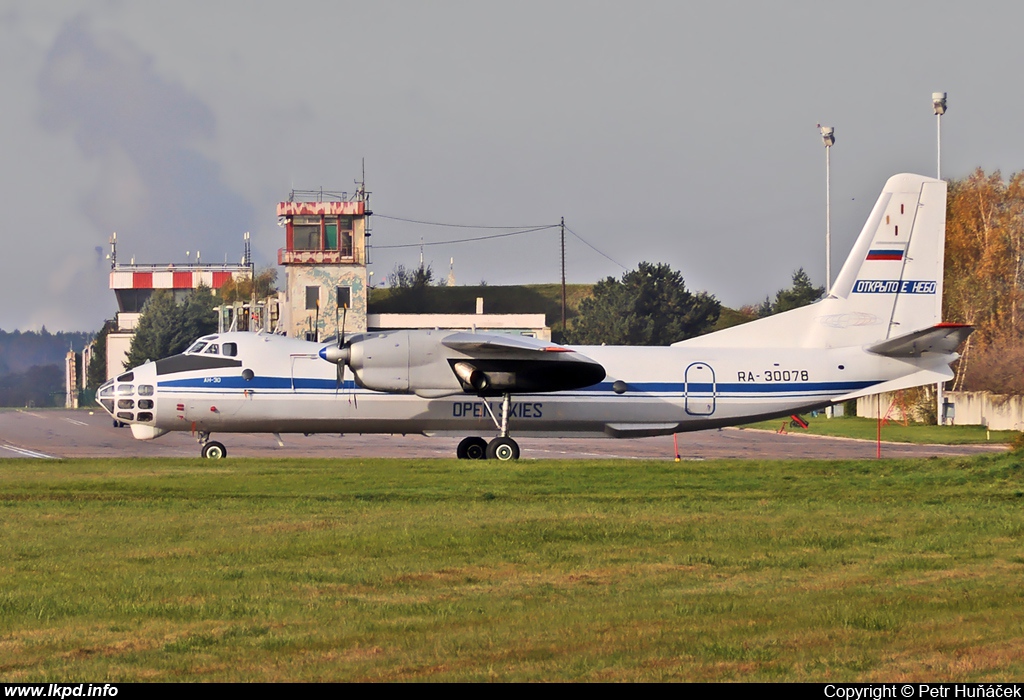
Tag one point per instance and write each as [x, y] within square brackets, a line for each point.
[939, 105]
[828, 138]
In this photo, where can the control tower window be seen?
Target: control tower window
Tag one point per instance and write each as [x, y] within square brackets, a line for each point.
[345, 236]
[312, 297]
[344, 297]
[306, 232]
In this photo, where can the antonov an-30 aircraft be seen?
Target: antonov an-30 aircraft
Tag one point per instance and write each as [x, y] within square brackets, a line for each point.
[880, 329]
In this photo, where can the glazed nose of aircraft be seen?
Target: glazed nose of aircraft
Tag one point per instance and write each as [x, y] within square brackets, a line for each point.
[131, 397]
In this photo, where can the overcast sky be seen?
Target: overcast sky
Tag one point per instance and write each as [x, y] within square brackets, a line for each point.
[671, 132]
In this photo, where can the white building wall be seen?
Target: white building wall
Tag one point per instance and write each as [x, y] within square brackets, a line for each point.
[995, 411]
[328, 278]
[118, 345]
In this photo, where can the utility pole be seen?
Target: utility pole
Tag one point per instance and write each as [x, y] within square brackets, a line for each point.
[562, 227]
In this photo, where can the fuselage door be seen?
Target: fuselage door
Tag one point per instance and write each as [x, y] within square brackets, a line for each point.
[303, 367]
[700, 389]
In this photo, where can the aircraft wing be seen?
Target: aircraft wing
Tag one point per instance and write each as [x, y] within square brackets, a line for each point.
[496, 363]
[943, 339]
[470, 342]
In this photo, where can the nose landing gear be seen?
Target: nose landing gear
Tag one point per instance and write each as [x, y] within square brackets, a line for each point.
[211, 449]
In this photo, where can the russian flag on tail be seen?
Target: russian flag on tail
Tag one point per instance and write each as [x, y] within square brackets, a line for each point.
[886, 254]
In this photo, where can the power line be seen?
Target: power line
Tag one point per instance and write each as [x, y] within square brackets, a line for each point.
[519, 231]
[435, 223]
[588, 244]
[467, 240]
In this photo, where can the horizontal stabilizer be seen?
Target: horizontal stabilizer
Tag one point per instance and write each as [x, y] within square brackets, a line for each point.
[943, 339]
[467, 342]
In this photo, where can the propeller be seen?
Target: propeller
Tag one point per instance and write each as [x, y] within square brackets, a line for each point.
[316, 324]
[341, 343]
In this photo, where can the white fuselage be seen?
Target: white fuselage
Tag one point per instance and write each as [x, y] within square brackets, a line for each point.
[666, 390]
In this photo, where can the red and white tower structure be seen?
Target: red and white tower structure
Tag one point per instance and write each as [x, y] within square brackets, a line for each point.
[134, 284]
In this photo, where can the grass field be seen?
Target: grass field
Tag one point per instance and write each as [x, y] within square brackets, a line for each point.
[919, 433]
[443, 570]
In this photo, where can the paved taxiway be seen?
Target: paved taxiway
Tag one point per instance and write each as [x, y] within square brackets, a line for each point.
[68, 434]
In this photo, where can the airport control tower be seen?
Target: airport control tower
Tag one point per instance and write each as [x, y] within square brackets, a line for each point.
[325, 261]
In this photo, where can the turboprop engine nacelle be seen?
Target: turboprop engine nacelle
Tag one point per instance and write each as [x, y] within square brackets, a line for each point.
[434, 363]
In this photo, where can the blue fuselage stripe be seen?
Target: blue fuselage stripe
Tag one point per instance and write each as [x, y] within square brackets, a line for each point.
[222, 384]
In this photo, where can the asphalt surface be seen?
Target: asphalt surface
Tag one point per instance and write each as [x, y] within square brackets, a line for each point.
[69, 434]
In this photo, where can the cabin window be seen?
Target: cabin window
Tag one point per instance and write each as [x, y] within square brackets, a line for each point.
[229, 349]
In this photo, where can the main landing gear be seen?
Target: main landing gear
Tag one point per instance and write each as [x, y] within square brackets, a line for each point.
[211, 449]
[502, 448]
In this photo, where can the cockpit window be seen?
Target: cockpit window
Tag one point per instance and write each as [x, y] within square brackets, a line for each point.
[125, 390]
[213, 350]
[230, 349]
[107, 389]
[145, 389]
[126, 377]
[196, 347]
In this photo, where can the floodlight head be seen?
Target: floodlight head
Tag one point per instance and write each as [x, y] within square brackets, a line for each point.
[939, 103]
[828, 136]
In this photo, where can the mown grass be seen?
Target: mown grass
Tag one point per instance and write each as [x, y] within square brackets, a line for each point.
[892, 431]
[442, 570]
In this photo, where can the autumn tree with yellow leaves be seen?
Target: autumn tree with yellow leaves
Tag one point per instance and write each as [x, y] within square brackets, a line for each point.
[984, 279]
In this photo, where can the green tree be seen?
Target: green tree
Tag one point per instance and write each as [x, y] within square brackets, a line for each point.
[242, 289]
[402, 277]
[802, 293]
[166, 328]
[98, 362]
[411, 288]
[648, 306]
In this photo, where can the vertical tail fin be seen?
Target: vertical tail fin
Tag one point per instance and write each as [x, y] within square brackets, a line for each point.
[895, 269]
[890, 285]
